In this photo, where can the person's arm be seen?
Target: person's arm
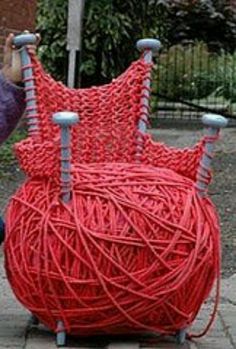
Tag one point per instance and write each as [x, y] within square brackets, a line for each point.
[11, 96]
[12, 103]
[12, 106]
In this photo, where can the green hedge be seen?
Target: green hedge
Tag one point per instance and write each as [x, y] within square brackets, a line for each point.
[192, 72]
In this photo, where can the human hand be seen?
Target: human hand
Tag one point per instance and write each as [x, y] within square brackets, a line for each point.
[11, 61]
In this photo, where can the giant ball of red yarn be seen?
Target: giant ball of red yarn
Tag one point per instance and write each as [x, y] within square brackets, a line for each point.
[136, 249]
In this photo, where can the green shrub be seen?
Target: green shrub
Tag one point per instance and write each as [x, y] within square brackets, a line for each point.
[110, 30]
[189, 73]
[186, 72]
[7, 156]
[51, 23]
[226, 73]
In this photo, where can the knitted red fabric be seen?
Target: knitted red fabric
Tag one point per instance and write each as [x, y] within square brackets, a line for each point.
[137, 248]
[108, 127]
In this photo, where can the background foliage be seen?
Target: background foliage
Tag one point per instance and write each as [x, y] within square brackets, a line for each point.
[211, 21]
[187, 72]
[111, 28]
[193, 72]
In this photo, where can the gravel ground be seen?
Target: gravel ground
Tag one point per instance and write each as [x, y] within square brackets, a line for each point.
[222, 190]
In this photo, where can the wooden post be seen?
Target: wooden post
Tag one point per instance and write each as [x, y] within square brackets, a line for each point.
[74, 34]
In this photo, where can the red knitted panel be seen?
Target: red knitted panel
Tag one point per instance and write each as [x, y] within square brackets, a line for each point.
[107, 131]
[39, 159]
[108, 114]
[183, 161]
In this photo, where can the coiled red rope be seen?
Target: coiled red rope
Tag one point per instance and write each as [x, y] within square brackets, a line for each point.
[136, 249]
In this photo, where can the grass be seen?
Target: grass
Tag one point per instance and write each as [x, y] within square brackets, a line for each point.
[213, 100]
[7, 157]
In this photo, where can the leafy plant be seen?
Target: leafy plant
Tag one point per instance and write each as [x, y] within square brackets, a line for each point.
[211, 21]
[226, 73]
[193, 72]
[7, 157]
[111, 28]
[51, 23]
[186, 72]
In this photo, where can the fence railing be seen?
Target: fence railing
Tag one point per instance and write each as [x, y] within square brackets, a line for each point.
[189, 79]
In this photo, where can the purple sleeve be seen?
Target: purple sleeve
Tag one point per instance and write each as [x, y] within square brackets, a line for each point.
[12, 106]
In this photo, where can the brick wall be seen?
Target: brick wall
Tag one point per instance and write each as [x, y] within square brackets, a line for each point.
[16, 16]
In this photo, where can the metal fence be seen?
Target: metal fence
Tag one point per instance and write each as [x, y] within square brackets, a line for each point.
[189, 79]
